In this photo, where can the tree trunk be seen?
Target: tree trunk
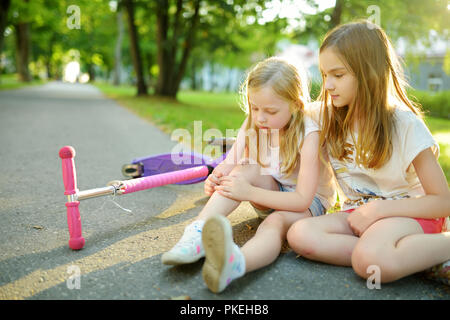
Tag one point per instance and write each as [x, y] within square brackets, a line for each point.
[117, 51]
[211, 77]
[171, 72]
[188, 45]
[150, 62]
[337, 13]
[91, 71]
[48, 67]
[48, 57]
[23, 50]
[162, 25]
[193, 76]
[4, 7]
[134, 48]
[48, 64]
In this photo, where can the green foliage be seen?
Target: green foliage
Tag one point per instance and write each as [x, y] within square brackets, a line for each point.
[230, 33]
[410, 19]
[315, 90]
[440, 128]
[447, 62]
[436, 104]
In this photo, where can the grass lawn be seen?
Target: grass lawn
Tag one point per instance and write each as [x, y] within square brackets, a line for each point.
[11, 81]
[221, 111]
[440, 128]
[215, 110]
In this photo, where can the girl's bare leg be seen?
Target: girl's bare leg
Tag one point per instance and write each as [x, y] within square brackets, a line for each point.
[326, 238]
[225, 261]
[265, 246]
[399, 248]
[190, 247]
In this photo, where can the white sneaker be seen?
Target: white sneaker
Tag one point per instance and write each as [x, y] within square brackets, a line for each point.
[189, 248]
[224, 261]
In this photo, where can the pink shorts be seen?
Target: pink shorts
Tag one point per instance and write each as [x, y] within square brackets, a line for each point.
[428, 225]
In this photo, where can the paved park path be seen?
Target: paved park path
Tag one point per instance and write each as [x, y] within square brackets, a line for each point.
[121, 258]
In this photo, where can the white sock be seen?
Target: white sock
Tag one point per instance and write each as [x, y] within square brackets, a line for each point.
[189, 248]
[237, 261]
[192, 236]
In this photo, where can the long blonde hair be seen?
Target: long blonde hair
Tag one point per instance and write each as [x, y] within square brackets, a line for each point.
[289, 83]
[368, 54]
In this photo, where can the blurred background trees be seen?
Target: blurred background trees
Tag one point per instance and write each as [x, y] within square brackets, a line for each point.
[161, 46]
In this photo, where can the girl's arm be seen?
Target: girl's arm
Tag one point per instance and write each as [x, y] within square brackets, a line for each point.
[436, 201]
[434, 204]
[231, 160]
[307, 182]
[237, 150]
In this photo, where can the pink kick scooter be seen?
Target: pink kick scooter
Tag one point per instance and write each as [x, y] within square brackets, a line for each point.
[154, 171]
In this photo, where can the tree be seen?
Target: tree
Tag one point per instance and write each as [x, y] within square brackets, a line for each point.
[171, 40]
[51, 37]
[336, 15]
[93, 40]
[208, 32]
[118, 47]
[4, 8]
[21, 22]
[47, 32]
[410, 19]
[134, 47]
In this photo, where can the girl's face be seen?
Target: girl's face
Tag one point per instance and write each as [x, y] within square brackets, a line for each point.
[340, 83]
[269, 111]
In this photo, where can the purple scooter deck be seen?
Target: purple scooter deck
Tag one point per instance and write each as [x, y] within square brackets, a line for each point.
[163, 163]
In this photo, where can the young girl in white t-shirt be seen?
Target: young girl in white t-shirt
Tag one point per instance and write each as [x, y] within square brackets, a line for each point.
[281, 176]
[395, 198]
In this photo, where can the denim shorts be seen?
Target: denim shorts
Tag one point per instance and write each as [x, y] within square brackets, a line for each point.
[316, 208]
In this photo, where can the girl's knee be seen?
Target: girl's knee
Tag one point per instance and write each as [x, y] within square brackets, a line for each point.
[273, 221]
[245, 170]
[302, 238]
[370, 261]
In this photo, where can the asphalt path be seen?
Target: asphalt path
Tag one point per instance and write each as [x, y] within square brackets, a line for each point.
[121, 257]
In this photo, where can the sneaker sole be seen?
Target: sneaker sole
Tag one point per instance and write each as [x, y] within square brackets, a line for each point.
[217, 242]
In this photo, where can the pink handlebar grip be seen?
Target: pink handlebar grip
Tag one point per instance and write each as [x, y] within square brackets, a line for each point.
[76, 241]
[164, 178]
[67, 154]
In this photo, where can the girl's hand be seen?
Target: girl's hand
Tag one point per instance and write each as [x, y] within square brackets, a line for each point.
[213, 179]
[364, 216]
[210, 183]
[234, 187]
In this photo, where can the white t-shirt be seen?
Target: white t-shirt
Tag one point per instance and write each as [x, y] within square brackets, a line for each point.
[326, 190]
[397, 178]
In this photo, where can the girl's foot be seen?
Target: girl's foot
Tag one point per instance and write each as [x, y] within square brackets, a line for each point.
[440, 273]
[224, 261]
[189, 248]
